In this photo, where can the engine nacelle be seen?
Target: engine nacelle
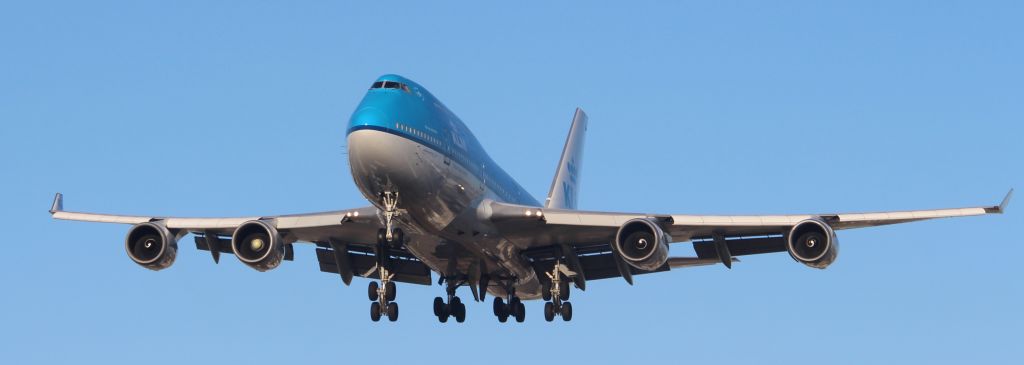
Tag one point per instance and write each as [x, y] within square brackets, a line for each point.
[642, 244]
[813, 242]
[151, 245]
[258, 245]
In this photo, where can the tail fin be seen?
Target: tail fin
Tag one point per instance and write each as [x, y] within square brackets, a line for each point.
[566, 186]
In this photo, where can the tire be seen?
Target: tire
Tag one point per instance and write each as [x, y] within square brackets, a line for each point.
[460, 313]
[438, 306]
[545, 290]
[390, 291]
[397, 237]
[503, 318]
[442, 319]
[513, 303]
[564, 295]
[382, 236]
[372, 290]
[520, 312]
[392, 312]
[567, 311]
[455, 303]
[499, 306]
[549, 311]
[375, 311]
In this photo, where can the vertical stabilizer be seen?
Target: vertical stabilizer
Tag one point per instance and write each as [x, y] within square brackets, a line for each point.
[566, 186]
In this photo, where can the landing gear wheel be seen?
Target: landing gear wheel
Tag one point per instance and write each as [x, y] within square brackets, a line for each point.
[382, 236]
[549, 311]
[460, 312]
[373, 291]
[392, 312]
[503, 317]
[397, 237]
[443, 318]
[454, 304]
[564, 291]
[438, 306]
[520, 312]
[499, 306]
[390, 291]
[545, 290]
[567, 311]
[375, 311]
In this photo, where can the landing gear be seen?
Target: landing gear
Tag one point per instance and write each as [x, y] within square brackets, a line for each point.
[556, 293]
[389, 199]
[514, 308]
[383, 297]
[383, 294]
[453, 309]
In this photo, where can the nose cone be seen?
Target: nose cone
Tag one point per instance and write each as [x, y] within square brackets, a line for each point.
[367, 116]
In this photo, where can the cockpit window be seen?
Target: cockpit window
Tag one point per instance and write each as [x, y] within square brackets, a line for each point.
[390, 85]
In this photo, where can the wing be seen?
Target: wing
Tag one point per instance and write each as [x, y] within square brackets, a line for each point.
[586, 233]
[344, 238]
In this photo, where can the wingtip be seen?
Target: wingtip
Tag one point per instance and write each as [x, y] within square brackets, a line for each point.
[58, 203]
[1006, 201]
[1001, 208]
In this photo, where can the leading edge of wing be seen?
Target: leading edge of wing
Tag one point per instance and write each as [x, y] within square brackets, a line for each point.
[501, 212]
[290, 221]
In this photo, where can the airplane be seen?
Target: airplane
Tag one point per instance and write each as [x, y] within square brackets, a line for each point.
[440, 205]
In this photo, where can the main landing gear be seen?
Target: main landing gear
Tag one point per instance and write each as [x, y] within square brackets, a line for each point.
[383, 297]
[556, 296]
[454, 308]
[513, 308]
[383, 294]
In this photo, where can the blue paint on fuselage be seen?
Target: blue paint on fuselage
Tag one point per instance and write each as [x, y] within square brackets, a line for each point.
[415, 114]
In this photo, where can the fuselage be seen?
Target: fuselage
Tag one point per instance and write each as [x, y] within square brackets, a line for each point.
[402, 139]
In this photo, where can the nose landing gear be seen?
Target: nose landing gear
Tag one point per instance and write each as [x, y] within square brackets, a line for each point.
[383, 294]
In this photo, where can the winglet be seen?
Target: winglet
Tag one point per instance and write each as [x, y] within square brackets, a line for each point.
[1001, 208]
[58, 203]
[1006, 201]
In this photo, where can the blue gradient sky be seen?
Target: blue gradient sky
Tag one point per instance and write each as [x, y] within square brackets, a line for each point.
[193, 108]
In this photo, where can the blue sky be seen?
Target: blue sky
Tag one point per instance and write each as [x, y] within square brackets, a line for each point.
[239, 108]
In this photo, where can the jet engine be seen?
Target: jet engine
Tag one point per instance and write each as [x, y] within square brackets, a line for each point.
[151, 245]
[642, 244]
[258, 245]
[812, 242]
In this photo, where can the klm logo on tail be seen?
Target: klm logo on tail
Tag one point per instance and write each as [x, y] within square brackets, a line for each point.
[569, 187]
[565, 188]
